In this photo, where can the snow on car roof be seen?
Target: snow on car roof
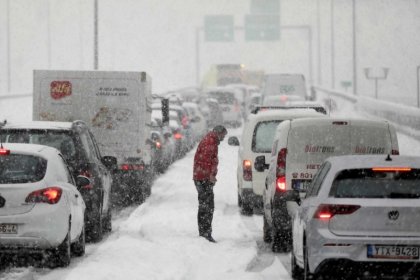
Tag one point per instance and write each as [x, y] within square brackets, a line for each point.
[286, 113]
[347, 121]
[189, 104]
[368, 161]
[40, 125]
[33, 149]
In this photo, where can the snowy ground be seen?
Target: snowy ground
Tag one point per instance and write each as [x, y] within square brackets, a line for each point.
[159, 239]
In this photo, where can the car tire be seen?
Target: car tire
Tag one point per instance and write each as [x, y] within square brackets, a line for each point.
[78, 248]
[95, 232]
[297, 271]
[61, 256]
[108, 221]
[306, 273]
[246, 208]
[266, 231]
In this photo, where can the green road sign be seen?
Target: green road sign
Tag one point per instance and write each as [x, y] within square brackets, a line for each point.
[264, 7]
[262, 27]
[218, 28]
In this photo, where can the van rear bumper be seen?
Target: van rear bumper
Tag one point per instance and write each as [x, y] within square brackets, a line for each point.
[249, 197]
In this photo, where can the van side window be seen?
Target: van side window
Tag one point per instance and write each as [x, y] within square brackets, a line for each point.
[317, 181]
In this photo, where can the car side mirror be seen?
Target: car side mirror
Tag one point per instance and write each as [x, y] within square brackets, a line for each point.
[110, 162]
[233, 141]
[82, 181]
[260, 164]
[294, 196]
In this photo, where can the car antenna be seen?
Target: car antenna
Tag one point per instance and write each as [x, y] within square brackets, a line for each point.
[1, 139]
[388, 158]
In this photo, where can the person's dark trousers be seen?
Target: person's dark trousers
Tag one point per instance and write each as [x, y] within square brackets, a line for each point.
[205, 207]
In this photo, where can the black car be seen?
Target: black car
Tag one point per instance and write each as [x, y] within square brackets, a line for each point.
[78, 146]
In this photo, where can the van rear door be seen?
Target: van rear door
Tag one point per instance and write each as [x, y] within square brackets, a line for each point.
[310, 142]
[370, 137]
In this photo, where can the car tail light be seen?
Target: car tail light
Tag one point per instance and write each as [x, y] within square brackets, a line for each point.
[127, 167]
[158, 145]
[87, 174]
[178, 136]
[4, 152]
[281, 170]
[247, 167]
[49, 195]
[283, 98]
[327, 211]
[395, 152]
[281, 184]
[391, 169]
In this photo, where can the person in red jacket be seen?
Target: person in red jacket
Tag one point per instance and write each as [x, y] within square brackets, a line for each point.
[205, 171]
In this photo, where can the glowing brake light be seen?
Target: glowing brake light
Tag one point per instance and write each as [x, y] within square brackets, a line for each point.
[49, 195]
[4, 152]
[391, 169]
[87, 174]
[158, 145]
[327, 211]
[247, 170]
[281, 184]
[127, 167]
[178, 136]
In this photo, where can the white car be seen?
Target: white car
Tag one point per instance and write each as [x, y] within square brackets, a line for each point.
[229, 104]
[41, 209]
[361, 213]
[300, 146]
[197, 120]
[257, 140]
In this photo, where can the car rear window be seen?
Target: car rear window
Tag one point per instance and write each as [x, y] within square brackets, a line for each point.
[61, 140]
[20, 169]
[223, 97]
[263, 137]
[367, 183]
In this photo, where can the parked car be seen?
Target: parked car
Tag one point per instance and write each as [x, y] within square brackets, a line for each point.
[359, 215]
[229, 104]
[41, 209]
[300, 146]
[257, 140]
[78, 146]
[215, 116]
[197, 121]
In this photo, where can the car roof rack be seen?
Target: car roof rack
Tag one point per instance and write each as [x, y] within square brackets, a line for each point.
[318, 109]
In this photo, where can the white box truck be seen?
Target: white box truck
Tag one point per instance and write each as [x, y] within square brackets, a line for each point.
[115, 106]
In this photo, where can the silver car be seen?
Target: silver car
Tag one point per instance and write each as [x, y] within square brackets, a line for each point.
[359, 213]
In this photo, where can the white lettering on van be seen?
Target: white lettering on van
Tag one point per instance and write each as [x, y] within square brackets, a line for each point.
[319, 149]
[369, 150]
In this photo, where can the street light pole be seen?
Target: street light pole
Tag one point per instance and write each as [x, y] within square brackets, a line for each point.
[9, 79]
[318, 27]
[332, 46]
[418, 87]
[354, 49]
[95, 40]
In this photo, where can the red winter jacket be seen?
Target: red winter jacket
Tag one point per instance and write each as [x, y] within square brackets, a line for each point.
[205, 159]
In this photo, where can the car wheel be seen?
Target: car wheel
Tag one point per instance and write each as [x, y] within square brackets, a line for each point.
[297, 271]
[266, 231]
[95, 232]
[246, 208]
[306, 273]
[280, 240]
[61, 256]
[108, 221]
[78, 248]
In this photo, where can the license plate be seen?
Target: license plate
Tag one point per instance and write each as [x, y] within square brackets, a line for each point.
[393, 252]
[8, 228]
[300, 185]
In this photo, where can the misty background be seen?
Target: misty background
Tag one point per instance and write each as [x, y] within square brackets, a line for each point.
[160, 37]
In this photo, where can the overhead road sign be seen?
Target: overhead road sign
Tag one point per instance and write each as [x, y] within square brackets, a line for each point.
[262, 27]
[259, 7]
[218, 28]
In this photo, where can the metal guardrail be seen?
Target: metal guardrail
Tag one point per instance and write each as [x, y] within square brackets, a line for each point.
[406, 119]
[10, 96]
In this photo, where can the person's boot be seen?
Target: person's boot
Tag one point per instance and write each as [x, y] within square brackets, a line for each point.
[208, 237]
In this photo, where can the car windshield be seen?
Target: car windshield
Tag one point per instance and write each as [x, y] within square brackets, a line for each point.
[223, 97]
[367, 183]
[262, 139]
[60, 140]
[20, 169]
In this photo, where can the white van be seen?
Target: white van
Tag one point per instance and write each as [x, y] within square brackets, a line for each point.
[300, 146]
[257, 140]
